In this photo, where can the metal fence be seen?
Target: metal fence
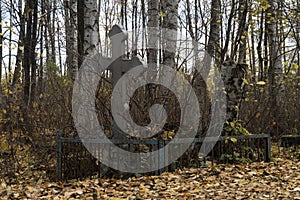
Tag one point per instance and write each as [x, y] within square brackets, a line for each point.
[290, 144]
[75, 162]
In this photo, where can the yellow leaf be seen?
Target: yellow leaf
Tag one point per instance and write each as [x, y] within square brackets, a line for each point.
[236, 108]
[1, 34]
[257, 115]
[4, 146]
[295, 67]
[219, 21]
[261, 83]
[7, 91]
[265, 5]
[232, 124]
[4, 111]
[234, 140]
[21, 48]
[273, 123]
[161, 14]
[34, 105]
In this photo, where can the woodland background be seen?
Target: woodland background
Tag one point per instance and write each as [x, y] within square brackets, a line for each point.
[44, 42]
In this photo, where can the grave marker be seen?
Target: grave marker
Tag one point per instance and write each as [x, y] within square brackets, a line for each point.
[119, 66]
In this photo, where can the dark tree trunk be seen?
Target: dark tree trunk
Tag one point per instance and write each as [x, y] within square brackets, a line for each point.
[27, 50]
[1, 43]
[33, 54]
[20, 45]
[80, 21]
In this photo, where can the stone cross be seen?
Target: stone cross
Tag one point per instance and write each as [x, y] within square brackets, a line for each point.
[120, 65]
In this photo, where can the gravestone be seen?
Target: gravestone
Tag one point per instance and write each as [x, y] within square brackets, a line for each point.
[119, 66]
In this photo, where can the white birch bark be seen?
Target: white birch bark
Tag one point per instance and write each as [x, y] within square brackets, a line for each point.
[275, 73]
[170, 22]
[153, 31]
[91, 27]
[71, 37]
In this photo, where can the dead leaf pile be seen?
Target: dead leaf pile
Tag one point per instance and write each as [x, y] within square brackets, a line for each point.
[279, 179]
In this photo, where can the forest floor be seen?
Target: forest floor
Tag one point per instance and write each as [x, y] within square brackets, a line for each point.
[279, 179]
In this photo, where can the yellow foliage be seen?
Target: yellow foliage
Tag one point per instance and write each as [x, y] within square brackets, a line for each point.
[232, 139]
[4, 146]
[161, 14]
[264, 4]
[261, 83]
[34, 105]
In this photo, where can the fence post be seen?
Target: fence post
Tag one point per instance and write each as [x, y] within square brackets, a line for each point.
[59, 155]
[268, 149]
[161, 160]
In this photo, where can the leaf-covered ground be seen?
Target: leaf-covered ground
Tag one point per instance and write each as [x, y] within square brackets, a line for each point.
[279, 179]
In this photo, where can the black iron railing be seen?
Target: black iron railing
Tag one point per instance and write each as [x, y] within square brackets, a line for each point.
[74, 161]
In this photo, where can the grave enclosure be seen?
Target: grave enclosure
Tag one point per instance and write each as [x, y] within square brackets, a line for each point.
[75, 162]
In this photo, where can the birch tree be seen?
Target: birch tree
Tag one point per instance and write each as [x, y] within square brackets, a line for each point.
[153, 24]
[19, 57]
[1, 42]
[91, 27]
[71, 37]
[275, 70]
[170, 23]
[242, 37]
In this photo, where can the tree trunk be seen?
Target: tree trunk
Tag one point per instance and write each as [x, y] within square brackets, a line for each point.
[170, 24]
[275, 71]
[33, 46]
[1, 43]
[46, 33]
[27, 50]
[80, 34]
[71, 42]
[40, 82]
[52, 31]
[91, 27]
[20, 45]
[259, 49]
[298, 52]
[229, 33]
[153, 23]
[243, 12]
[213, 45]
